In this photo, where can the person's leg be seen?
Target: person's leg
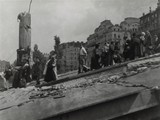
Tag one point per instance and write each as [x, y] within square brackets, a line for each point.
[107, 59]
[81, 62]
[111, 59]
[37, 80]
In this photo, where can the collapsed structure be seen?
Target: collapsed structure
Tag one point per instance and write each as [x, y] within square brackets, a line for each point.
[129, 91]
[23, 52]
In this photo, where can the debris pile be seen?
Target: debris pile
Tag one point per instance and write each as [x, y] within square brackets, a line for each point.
[48, 91]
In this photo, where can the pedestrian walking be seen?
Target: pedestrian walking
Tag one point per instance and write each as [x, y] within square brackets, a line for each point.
[117, 56]
[82, 58]
[95, 60]
[36, 71]
[137, 45]
[142, 44]
[148, 44]
[156, 44]
[132, 47]
[111, 53]
[105, 55]
[126, 52]
[50, 70]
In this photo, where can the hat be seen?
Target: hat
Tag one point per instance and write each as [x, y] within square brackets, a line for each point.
[143, 33]
[53, 56]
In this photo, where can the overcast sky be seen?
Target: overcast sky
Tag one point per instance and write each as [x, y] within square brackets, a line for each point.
[71, 20]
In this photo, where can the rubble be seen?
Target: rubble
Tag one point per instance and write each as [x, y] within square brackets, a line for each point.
[48, 91]
[31, 93]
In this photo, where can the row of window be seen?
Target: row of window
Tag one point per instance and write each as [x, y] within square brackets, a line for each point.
[150, 18]
[116, 36]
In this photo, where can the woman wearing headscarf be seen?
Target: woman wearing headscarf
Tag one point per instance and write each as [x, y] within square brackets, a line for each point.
[142, 44]
[50, 71]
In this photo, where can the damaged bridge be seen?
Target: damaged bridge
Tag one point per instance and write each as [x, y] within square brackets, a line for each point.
[129, 91]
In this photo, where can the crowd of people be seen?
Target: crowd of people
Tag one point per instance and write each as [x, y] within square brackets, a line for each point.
[139, 45]
[21, 75]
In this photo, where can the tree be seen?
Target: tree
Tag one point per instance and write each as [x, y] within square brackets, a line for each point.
[57, 43]
[58, 51]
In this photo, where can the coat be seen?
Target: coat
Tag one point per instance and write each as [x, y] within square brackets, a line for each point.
[50, 71]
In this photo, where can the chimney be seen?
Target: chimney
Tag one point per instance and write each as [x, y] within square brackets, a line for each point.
[158, 4]
[150, 10]
[143, 14]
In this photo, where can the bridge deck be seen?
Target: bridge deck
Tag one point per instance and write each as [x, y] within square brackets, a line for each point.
[84, 92]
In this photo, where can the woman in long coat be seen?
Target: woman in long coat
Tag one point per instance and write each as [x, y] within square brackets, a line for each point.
[142, 44]
[50, 71]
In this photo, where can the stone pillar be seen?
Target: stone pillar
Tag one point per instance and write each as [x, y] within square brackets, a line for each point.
[24, 37]
[24, 30]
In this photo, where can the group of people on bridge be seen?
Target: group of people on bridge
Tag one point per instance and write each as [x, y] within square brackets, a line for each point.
[139, 45]
[21, 75]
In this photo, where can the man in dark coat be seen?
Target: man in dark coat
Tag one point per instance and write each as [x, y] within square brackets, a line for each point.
[137, 46]
[132, 47]
[26, 71]
[111, 53]
[117, 56]
[36, 71]
[95, 63]
[19, 81]
[126, 52]
[148, 43]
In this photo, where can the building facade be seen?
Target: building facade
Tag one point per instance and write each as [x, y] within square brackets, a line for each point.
[98, 37]
[130, 24]
[69, 59]
[108, 32]
[151, 21]
[116, 34]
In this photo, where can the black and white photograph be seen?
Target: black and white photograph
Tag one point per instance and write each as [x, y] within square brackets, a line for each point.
[79, 59]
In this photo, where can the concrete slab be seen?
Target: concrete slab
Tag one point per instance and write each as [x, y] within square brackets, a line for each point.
[15, 104]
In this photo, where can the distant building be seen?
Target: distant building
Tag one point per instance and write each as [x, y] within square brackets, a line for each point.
[108, 32]
[69, 58]
[4, 65]
[130, 24]
[116, 34]
[151, 21]
[99, 36]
